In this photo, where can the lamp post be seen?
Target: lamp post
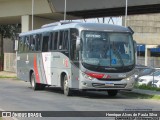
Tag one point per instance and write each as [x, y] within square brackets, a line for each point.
[65, 7]
[32, 13]
[126, 13]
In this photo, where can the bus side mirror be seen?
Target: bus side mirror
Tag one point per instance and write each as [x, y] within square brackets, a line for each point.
[135, 45]
[78, 41]
[16, 45]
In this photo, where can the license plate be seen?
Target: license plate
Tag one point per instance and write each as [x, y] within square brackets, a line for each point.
[109, 84]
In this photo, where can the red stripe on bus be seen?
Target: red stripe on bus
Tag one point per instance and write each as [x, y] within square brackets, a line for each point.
[36, 69]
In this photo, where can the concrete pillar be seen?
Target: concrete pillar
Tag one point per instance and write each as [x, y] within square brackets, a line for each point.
[25, 21]
[147, 54]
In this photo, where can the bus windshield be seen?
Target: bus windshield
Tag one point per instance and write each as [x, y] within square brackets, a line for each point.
[108, 49]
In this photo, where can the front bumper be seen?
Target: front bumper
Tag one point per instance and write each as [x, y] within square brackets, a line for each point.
[106, 85]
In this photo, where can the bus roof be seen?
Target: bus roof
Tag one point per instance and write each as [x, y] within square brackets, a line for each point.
[78, 25]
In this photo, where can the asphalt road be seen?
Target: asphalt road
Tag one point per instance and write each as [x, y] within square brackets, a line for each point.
[16, 95]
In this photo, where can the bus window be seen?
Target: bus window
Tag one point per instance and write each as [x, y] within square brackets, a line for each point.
[21, 43]
[65, 40]
[60, 40]
[51, 41]
[55, 40]
[74, 53]
[45, 43]
[33, 43]
[30, 43]
[26, 45]
[38, 42]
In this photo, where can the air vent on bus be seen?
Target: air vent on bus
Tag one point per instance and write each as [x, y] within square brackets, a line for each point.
[57, 23]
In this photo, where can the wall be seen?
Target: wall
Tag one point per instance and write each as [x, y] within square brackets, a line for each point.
[8, 45]
[146, 28]
[10, 62]
[9, 55]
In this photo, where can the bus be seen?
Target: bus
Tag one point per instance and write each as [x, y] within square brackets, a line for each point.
[78, 56]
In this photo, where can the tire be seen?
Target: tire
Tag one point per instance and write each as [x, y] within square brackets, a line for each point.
[66, 89]
[112, 93]
[34, 85]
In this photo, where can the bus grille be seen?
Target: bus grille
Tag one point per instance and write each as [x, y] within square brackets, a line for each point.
[100, 85]
[109, 79]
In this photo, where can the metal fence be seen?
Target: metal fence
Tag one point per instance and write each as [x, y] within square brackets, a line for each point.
[10, 62]
[151, 62]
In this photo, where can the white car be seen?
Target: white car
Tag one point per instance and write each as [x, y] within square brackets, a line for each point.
[156, 83]
[148, 79]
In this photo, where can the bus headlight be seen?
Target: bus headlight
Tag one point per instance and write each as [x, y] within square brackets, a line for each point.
[132, 77]
[87, 76]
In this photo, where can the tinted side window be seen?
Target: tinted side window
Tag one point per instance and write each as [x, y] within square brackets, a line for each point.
[74, 53]
[20, 44]
[32, 43]
[55, 40]
[26, 44]
[51, 41]
[65, 40]
[61, 36]
[45, 43]
[38, 42]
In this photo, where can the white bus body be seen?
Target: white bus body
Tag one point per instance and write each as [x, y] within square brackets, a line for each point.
[77, 56]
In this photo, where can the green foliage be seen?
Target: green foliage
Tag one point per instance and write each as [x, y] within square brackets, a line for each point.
[147, 87]
[9, 31]
[1, 56]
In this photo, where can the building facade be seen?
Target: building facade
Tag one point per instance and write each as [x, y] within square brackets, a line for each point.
[147, 36]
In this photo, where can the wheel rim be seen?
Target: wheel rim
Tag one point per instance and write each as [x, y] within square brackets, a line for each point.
[32, 82]
[66, 86]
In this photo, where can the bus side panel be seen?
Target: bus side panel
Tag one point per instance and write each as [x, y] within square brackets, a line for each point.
[57, 67]
[31, 61]
[74, 76]
[22, 66]
[54, 72]
[40, 68]
[45, 67]
[59, 64]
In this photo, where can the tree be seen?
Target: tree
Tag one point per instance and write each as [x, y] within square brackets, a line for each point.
[8, 31]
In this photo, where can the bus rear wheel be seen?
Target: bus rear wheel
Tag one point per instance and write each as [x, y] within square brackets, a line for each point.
[34, 85]
[66, 89]
[112, 93]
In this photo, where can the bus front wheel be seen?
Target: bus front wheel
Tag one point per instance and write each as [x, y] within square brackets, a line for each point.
[112, 93]
[66, 89]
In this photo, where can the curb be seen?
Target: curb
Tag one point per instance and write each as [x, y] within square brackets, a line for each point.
[146, 92]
